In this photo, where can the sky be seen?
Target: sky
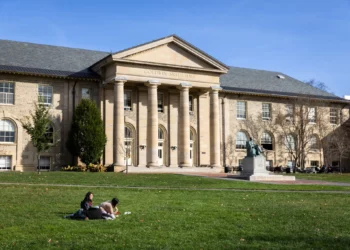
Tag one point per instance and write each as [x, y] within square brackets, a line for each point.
[305, 39]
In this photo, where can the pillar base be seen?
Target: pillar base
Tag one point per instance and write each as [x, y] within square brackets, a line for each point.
[215, 166]
[119, 168]
[153, 165]
[185, 165]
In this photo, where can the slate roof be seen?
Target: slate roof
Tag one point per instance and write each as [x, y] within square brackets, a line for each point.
[39, 59]
[255, 81]
[56, 61]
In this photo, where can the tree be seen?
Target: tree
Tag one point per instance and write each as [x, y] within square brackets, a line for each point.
[297, 128]
[317, 84]
[37, 125]
[337, 145]
[87, 137]
[255, 126]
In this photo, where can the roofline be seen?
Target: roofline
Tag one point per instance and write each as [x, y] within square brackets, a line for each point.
[285, 95]
[178, 38]
[49, 76]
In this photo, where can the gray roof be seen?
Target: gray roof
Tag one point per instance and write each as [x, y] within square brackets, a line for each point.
[267, 82]
[39, 59]
[48, 60]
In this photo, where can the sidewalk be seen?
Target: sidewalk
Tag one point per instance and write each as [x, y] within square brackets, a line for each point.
[226, 176]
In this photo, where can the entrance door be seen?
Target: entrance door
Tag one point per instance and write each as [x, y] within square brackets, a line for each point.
[5, 163]
[160, 154]
[191, 153]
[128, 152]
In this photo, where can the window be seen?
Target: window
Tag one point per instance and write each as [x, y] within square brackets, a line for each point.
[266, 111]
[289, 112]
[5, 162]
[314, 164]
[269, 164]
[85, 93]
[191, 103]
[241, 110]
[127, 133]
[45, 94]
[266, 141]
[289, 142]
[291, 164]
[160, 102]
[312, 114]
[127, 100]
[49, 134]
[44, 163]
[313, 143]
[335, 163]
[160, 134]
[241, 140]
[7, 131]
[6, 92]
[333, 115]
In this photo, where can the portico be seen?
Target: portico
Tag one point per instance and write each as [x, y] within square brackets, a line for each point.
[166, 81]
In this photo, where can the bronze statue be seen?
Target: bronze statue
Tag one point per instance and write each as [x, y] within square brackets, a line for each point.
[252, 148]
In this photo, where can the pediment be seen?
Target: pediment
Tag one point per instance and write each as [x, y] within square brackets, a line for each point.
[170, 51]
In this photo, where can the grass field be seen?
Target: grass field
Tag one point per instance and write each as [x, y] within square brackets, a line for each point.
[31, 217]
[336, 177]
[156, 180]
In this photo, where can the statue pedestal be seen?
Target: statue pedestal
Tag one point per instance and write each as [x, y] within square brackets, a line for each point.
[254, 168]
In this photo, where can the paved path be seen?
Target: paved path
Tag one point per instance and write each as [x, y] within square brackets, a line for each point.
[178, 188]
[224, 176]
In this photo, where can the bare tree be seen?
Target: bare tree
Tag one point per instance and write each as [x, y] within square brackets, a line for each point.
[317, 84]
[230, 148]
[297, 129]
[256, 125]
[337, 144]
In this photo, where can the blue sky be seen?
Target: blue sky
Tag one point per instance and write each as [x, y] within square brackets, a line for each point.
[307, 39]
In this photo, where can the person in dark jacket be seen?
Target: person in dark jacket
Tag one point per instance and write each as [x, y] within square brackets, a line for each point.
[85, 210]
[87, 202]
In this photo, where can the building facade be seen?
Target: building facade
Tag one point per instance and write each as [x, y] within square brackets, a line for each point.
[165, 105]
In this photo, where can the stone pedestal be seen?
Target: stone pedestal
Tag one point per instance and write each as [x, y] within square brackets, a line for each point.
[254, 168]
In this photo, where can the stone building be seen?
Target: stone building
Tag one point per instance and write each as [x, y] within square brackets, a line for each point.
[166, 102]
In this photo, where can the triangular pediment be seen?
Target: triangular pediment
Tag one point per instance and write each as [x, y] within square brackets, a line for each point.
[170, 51]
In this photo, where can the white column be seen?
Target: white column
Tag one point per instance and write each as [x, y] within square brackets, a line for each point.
[214, 127]
[118, 124]
[152, 124]
[184, 126]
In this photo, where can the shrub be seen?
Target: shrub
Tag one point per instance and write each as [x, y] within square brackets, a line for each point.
[96, 168]
[87, 137]
[79, 168]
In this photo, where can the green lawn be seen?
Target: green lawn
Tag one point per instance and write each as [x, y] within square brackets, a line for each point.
[149, 180]
[336, 177]
[31, 217]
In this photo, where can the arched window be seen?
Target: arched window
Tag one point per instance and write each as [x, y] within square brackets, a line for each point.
[241, 140]
[160, 134]
[290, 142]
[127, 133]
[313, 143]
[266, 141]
[191, 135]
[7, 131]
[49, 134]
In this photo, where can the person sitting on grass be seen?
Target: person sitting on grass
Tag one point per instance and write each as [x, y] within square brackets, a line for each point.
[109, 208]
[86, 211]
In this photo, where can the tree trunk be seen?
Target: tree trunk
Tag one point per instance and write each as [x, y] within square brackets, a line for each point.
[38, 167]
